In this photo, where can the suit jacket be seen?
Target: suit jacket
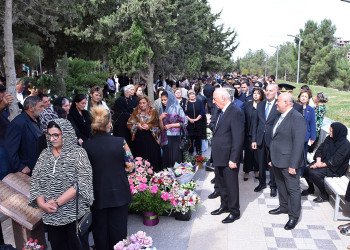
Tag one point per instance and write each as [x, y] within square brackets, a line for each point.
[250, 117]
[262, 128]
[111, 185]
[228, 137]
[287, 144]
[20, 141]
[310, 119]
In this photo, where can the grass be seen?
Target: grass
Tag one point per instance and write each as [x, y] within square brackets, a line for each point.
[338, 105]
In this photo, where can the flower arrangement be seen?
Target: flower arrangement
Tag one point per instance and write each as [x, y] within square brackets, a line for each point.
[135, 241]
[183, 172]
[143, 172]
[209, 134]
[182, 199]
[32, 244]
[189, 158]
[192, 185]
[201, 159]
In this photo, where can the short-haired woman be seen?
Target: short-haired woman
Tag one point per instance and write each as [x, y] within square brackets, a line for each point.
[61, 168]
[111, 159]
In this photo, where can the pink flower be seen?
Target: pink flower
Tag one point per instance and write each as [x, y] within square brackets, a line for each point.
[173, 202]
[139, 163]
[147, 163]
[150, 171]
[138, 178]
[140, 169]
[140, 235]
[119, 246]
[138, 158]
[154, 189]
[165, 196]
[131, 181]
[147, 242]
[143, 186]
[144, 179]
[133, 189]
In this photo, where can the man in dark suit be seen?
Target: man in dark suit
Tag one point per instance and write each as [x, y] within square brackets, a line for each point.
[227, 144]
[261, 136]
[22, 135]
[287, 158]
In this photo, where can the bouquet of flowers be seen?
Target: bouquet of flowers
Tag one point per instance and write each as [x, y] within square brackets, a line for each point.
[209, 134]
[163, 179]
[32, 244]
[192, 185]
[183, 200]
[143, 174]
[183, 172]
[135, 241]
[201, 159]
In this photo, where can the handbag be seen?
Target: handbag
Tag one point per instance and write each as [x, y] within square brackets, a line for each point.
[82, 225]
[185, 142]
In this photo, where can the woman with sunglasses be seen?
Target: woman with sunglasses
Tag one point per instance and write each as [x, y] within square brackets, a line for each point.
[61, 168]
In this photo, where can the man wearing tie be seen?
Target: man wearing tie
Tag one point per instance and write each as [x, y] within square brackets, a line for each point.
[261, 136]
[227, 144]
[287, 158]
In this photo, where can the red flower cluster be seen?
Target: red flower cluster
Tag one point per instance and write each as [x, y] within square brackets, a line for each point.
[200, 159]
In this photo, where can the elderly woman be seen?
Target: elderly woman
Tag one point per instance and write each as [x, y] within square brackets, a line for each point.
[179, 98]
[145, 132]
[331, 159]
[61, 168]
[96, 94]
[194, 110]
[80, 118]
[111, 159]
[172, 117]
[123, 107]
[157, 103]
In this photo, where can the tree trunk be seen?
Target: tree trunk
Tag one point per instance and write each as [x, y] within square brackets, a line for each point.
[10, 59]
[149, 79]
[2, 67]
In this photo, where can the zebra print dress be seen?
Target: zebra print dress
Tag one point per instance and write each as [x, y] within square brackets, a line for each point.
[52, 176]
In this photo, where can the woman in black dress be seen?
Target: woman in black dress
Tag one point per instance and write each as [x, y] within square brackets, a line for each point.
[194, 110]
[145, 133]
[123, 107]
[250, 162]
[80, 118]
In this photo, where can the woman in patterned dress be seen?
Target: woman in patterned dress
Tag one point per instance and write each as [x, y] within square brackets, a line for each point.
[60, 169]
[320, 111]
[145, 132]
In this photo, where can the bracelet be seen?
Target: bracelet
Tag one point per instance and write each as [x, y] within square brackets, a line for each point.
[56, 203]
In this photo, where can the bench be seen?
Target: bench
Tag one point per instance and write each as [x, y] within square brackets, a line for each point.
[338, 186]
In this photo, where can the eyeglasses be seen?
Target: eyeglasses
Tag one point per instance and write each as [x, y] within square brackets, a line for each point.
[53, 136]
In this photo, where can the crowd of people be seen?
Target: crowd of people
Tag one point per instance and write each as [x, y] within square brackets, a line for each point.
[83, 150]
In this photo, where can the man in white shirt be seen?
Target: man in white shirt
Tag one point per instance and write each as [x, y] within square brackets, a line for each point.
[19, 91]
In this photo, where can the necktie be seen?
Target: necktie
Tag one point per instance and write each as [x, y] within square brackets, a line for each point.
[267, 109]
[220, 115]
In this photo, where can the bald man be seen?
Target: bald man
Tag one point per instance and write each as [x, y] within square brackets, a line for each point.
[287, 158]
[227, 144]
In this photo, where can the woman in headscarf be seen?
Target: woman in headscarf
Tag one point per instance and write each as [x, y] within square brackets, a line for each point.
[145, 132]
[172, 117]
[123, 107]
[61, 168]
[331, 160]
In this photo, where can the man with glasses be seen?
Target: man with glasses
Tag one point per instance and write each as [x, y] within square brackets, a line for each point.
[22, 135]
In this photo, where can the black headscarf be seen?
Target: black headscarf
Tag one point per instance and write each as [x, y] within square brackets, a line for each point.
[340, 133]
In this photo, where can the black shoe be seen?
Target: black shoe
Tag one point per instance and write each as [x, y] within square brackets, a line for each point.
[277, 211]
[291, 224]
[245, 179]
[273, 192]
[344, 226]
[259, 188]
[212, 181]
[319, 199]
[306, 193]
[230, 218]
[220, 211]
[209, 168]
[214, 195]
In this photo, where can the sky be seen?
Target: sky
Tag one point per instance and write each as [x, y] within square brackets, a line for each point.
[261, 23]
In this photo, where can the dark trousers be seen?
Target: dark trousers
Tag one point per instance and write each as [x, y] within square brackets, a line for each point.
[250, 162]
[288, 191]
[316, 176]
[109, 226]
[227, 181]
[172, 152]
[263, 152]
[196, 141]
[64, 237]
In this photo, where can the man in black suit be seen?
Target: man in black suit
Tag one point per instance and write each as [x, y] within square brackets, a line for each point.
[261, 136]
[227, 144]
[287, 158]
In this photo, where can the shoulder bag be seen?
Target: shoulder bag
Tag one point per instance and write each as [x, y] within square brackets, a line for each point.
[185, 142]
[82, 225]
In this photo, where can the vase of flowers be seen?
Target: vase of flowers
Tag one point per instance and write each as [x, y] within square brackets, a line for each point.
[200, 160]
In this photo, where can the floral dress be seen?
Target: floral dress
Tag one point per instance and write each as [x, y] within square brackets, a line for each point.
[320, 111]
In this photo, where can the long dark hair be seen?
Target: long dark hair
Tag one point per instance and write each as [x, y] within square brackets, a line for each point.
[78, 98]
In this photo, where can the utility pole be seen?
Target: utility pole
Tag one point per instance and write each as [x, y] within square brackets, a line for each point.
[300, 40]
[277, 48]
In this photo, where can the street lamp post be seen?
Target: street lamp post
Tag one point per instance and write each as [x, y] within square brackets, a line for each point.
[300, 40]
[265, 64]
[277, 48]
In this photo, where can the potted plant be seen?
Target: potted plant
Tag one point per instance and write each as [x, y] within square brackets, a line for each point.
[200, 160]
[135, 241]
